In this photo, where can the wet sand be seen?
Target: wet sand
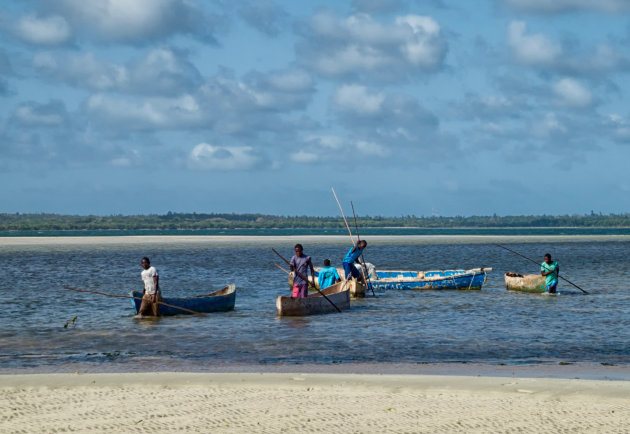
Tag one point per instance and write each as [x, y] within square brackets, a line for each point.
[308, 402]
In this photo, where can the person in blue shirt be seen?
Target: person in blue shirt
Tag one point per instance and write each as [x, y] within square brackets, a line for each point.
[550, 270]
[328, 275]
[351, 257]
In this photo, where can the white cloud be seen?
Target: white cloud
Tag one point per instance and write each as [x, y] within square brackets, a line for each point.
[44, 115]
[371, 149]
[52, 30]
[81, 70]
[161, 71]
[548, 126]
[223, 158]
[304, 157]
[145, 114]
[360, 45]
[137, 21]
[571, 93]
[531, 49]
[421, 48]
[355, 98]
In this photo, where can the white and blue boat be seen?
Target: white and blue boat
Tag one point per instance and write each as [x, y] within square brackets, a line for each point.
[472, 279]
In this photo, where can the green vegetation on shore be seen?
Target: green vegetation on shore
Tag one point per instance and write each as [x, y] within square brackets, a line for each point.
[197, 221]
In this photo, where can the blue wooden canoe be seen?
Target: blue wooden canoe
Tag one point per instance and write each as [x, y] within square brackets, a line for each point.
[439, 279]
[218, 301]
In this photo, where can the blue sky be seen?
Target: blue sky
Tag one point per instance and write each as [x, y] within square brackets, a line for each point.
[404, 106]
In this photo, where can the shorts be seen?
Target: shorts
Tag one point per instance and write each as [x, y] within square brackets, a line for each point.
[148, 307]
[551, 288]
[300, 290]
[351, 270]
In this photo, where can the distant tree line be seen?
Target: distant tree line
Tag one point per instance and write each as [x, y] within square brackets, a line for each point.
[198, 221]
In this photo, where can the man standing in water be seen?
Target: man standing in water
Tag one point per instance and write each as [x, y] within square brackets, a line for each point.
[300, 264]
[550, 269]
[352, 255]
[151, 291]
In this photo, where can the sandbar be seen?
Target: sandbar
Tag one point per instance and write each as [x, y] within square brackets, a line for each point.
[309, 402]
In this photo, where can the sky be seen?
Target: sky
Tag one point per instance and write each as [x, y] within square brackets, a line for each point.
[405, 107]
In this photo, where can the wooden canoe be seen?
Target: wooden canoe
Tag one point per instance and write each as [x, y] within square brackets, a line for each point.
[218, 301]
[534, 283]
[315, 304]
[357, 289]
[472, 279]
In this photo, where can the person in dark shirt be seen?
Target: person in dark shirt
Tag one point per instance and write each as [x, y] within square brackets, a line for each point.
[300, 263]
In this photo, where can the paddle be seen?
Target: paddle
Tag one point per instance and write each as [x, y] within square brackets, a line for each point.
[365, 274]
[307, 281]
[351, 237]
[128, 296]
[531, 260]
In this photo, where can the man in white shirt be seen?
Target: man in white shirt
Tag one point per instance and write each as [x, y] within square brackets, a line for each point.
[151, 292]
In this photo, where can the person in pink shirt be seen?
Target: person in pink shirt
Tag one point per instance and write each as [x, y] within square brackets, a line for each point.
[300, 263]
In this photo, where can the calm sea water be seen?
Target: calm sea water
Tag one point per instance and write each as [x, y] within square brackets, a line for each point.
[490, 326]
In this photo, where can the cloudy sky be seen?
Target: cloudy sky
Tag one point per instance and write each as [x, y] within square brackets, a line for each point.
[404, 106]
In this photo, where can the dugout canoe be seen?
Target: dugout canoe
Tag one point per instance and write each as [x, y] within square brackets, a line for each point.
[472, 279]
[533, 283]
[357, 289]
[315, 304]
[218, 301]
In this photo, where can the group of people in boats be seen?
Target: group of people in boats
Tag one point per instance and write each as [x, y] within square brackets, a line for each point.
[301, 263]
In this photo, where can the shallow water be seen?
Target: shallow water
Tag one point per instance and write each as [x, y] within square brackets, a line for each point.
[491, 326]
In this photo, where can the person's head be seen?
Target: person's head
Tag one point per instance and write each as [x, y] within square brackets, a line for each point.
[362, 244]
[298, 249]
[326, 262]
[146, 263]
[547, 258]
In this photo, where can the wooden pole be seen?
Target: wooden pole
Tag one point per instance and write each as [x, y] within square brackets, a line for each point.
[349, 233]
[129, 296]
[344, 218]
[307, 281]
[364, 269]
[531, 260]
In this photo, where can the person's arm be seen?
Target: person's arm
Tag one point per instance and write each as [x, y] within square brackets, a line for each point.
[336, 275]
[291, 266]
[542, 270]
[156, 283]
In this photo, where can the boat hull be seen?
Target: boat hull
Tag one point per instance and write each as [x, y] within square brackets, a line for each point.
[532, 283]
[315, 304]
[357, 289]
[218, 301]
[435, 280]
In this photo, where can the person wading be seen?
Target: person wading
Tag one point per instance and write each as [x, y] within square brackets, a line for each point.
[151, 292]
[300, 263]
[550, 269]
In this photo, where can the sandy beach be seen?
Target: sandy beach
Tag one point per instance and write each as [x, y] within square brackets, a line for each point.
[300, 402]
[257, 239]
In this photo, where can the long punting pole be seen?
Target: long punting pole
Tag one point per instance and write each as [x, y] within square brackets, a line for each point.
[129, 296]
[356, 225]
[349, 232]
[531, 260]
[307, 281]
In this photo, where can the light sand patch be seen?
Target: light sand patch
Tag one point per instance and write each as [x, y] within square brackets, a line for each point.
[169, 402]
[328, 239]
